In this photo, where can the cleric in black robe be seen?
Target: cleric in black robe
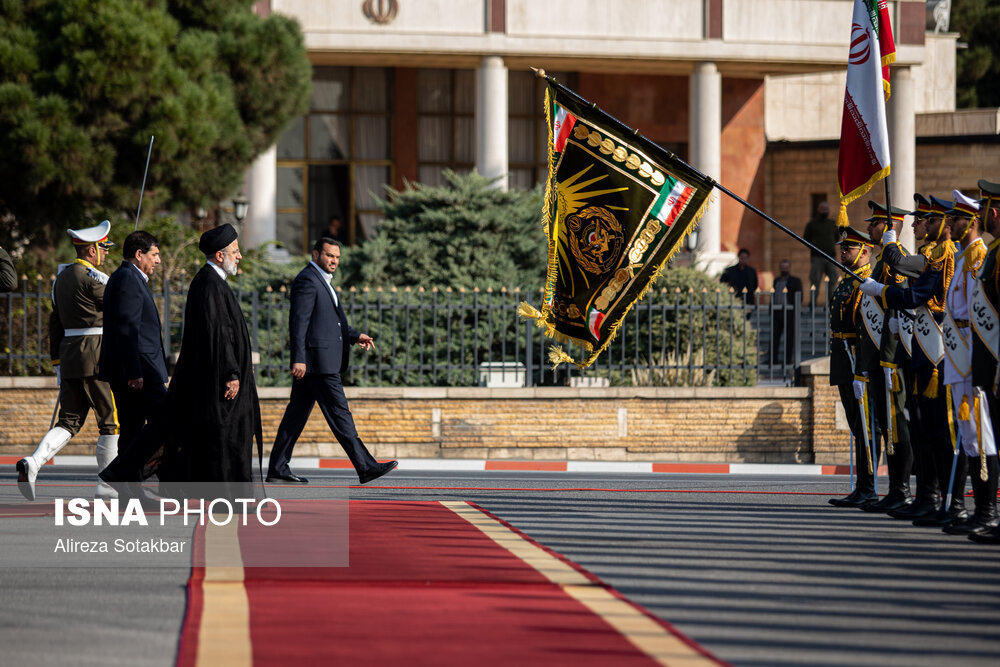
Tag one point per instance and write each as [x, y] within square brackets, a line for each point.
[213, 404]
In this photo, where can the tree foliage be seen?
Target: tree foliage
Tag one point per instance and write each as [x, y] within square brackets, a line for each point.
[84, 83]
[978, 24]
[464, 234]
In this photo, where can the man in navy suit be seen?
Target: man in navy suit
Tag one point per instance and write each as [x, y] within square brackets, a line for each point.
[132, 358]
[320, 340]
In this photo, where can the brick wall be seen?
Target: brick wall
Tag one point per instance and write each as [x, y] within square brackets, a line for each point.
[746, 424]
[795, 173]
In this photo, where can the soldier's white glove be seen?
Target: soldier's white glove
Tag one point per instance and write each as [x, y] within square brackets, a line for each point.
[58, 376]
[871, 287]
[894, 325]
[859, 389]
[889, 236]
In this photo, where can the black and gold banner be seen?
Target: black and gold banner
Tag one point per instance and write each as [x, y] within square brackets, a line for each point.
[617, 208]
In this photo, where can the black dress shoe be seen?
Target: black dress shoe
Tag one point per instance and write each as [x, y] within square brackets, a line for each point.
[971, 526]
[287, 478]
[888, 503]
[942, 518]
[919, 509]
[855, 499]
[378, 471]
[991, 536]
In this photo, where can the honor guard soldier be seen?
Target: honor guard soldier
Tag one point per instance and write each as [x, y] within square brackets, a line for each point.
[923, 300]
[876, 368]
[75, 330]
[968, 403]
[845, 319]
[986, 323]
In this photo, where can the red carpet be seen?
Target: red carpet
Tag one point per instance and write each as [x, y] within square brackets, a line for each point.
[424, 587]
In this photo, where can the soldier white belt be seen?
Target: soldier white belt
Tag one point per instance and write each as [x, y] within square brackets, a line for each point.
[87, 331]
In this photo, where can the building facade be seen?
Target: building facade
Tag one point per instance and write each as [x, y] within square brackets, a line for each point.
[404, 89]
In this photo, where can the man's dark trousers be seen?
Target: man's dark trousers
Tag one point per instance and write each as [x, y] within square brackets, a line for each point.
[328, 390]
[133, 348]
[142, 421]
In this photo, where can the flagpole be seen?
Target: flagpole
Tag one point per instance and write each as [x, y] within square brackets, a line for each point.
[540, 73]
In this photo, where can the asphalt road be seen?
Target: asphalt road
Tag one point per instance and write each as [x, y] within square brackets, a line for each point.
[759, 570]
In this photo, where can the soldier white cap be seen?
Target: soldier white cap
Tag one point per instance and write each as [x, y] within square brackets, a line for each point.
[964, 207]
[96, 234]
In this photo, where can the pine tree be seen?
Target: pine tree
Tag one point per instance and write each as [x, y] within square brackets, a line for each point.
[84, 83]
[978, 65]
[464, 234]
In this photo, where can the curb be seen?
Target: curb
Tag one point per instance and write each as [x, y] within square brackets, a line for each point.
[486, 465]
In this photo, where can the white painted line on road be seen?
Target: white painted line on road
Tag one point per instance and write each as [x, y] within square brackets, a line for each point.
[609, 466]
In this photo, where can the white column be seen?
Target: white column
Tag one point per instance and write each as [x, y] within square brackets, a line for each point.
[902, 147]
[261, 224]
[491, 119]
[705, 139]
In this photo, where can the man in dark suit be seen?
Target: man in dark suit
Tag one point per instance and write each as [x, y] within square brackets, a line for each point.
[787, 292]
[132, 359]
[320, 340]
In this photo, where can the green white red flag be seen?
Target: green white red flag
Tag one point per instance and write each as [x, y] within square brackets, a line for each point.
[864, 134]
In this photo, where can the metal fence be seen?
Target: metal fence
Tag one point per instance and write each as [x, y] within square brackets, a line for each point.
[449, 337]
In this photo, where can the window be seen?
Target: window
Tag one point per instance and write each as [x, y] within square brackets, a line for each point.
[336, 159]
[446, 136]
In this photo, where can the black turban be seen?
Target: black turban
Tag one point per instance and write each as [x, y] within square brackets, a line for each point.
[217, 238]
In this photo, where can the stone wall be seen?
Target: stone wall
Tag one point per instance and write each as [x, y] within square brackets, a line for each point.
[705, 424]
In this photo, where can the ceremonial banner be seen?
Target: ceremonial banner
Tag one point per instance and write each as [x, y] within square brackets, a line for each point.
[864, 135]
[617, 208]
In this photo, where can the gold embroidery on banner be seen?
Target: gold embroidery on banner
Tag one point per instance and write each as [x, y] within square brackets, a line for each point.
[646, 237]
[622, 276]
[596, 239]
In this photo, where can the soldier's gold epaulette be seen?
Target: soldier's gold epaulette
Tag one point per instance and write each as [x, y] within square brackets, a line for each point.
[927, 248]
[974, 256]
[941, 251]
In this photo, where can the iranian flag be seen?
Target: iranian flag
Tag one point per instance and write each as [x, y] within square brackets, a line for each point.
[674, 196]
[864, 136]
[562, 124]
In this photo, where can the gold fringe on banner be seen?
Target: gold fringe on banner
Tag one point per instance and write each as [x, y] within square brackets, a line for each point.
[895, 381]
[525, 309]
[963, 409]
[558, 356]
